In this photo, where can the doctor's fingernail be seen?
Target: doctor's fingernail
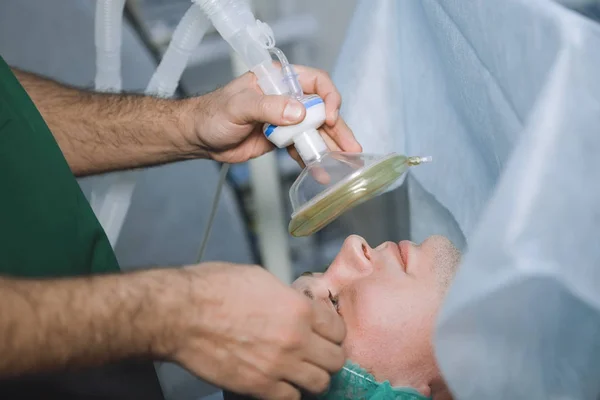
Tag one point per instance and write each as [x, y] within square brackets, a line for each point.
[293, 111]
[336, 114]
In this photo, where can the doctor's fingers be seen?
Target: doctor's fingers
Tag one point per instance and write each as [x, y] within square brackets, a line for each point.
[308, 376]
[342, 136]
[327, 323]
[317, 81]
[331, 145]
[325, 355]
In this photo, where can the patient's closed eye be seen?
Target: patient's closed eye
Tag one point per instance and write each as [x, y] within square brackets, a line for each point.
[334, 300]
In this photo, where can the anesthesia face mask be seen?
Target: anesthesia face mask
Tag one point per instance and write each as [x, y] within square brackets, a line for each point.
[353, 382]
[332, 182]
[335, 182]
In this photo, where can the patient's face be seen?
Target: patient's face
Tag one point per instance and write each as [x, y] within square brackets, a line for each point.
[388, 297]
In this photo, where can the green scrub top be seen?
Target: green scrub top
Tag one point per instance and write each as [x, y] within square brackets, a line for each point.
[48, 229]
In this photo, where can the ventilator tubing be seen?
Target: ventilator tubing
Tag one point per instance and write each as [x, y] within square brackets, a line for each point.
[186, 38]
[109, 15]
[112, 208]
[247, 37]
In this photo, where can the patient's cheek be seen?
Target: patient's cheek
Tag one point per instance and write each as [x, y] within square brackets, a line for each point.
[361, 350]
[342, 276]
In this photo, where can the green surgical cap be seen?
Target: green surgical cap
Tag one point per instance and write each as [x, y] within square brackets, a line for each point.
[353, 383]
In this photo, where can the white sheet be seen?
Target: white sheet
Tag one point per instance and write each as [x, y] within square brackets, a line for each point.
[505, 95]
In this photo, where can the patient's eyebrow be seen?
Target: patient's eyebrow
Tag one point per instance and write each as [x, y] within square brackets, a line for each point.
[308, 293]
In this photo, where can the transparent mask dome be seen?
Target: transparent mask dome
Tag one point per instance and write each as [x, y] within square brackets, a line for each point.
[337, 182]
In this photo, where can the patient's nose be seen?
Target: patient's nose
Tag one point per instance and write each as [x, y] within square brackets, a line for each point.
[353, 261]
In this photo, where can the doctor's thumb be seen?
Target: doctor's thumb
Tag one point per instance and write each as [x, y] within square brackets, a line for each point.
[273, 109]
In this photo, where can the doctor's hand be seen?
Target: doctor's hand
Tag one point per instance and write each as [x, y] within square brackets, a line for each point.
[245, 331]
[227, 123]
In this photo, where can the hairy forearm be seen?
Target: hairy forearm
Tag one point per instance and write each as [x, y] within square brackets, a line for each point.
[68, 323]
[99, 132]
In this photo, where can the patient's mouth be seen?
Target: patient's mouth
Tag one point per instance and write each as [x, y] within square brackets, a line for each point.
[404, 247]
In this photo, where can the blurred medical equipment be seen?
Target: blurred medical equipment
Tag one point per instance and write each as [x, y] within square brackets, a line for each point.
[505, 95]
